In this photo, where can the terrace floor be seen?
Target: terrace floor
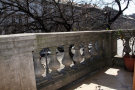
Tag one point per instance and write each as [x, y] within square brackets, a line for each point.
[107, 79]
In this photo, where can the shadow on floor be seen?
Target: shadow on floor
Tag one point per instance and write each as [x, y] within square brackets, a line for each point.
[107, 79]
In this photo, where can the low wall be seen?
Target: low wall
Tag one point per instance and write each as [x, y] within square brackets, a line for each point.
[20, 59]
[16, 62]
[92, 66]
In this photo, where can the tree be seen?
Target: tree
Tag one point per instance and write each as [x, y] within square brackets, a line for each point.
[41, 14]
[24, 7]
[111, 14]
[53, 15]
[67, 14]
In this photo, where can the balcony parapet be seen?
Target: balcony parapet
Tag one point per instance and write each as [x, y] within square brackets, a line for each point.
[99, 47]
[16, 62]
[52, 60]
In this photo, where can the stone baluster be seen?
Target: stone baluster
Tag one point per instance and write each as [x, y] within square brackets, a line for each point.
[86, 51]
[60, 55]
[67, 59]
[44, 60]
[54, 64]
[100, 47]
[39, 68]
[93, 49]
[127, 48]
[77, 56]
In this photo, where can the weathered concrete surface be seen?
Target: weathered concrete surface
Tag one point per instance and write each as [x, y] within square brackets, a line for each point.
[16, 62]
[73, 74]
[134, 77]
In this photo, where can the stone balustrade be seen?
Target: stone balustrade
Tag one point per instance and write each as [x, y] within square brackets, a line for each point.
[16, 62]
[52, 60]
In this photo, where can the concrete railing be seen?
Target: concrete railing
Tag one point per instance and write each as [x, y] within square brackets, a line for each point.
[30, 60]
[16, 62]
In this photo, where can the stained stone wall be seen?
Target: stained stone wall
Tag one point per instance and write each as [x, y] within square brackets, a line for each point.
[20, 65]
[16, 62]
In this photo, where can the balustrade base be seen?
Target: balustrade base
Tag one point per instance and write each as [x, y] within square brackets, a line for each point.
[55, 74]
[71, 75]
[67, 69]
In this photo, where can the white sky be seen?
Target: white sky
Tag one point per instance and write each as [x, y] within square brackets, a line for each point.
[130, 10]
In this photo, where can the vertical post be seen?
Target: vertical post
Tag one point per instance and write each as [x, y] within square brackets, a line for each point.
[114, 44]
[134, 77]
[93, 50]
[54, 64]
[47, 68]
[86, 51]
[108, 48]
[66, 60]
[100, 47]
[16, 63]
[38, 67]
[77, 56]
[127, 48]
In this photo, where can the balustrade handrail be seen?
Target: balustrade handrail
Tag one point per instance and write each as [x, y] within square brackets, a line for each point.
[29, 34]
[92, 50]
[104, 45]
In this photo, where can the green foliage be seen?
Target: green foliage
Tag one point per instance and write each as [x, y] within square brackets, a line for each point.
[75, 29]
[119, 34]
[107, 29]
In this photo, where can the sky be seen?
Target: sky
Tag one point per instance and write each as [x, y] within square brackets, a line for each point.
[131, 8]
[129, 11]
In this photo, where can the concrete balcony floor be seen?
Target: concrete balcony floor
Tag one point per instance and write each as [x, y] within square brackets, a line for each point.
[107, 79]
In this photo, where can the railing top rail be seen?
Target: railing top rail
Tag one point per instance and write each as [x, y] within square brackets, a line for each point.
[16, 35]
[73, 32]
[29, 36]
